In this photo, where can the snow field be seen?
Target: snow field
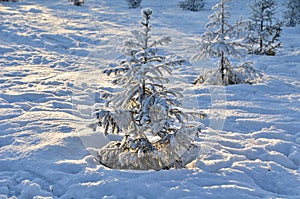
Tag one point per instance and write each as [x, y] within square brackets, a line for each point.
[46, 47]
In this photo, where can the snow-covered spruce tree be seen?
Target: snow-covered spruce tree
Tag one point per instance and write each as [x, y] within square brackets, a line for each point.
[264, 29]
[134, 3]
[222, 41]
[292, 14]
[192, 5]
[148, 114]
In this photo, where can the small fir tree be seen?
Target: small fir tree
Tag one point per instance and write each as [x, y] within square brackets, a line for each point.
[221, 41]
[292, 14]
[134, 3]
[264, 29]
[145, 108]
[192, 5]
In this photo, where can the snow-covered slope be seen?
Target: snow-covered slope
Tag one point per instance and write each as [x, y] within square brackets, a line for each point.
[48, 48]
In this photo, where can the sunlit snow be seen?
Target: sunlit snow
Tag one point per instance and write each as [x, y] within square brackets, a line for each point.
[51, 59]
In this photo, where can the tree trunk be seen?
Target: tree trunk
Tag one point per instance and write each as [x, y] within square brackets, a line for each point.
[260, 33]
[222, 69]
[222, 64]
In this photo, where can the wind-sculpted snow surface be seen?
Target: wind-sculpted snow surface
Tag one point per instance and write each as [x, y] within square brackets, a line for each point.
[48, 47]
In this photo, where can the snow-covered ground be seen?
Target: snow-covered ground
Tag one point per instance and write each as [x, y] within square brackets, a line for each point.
[48, 48]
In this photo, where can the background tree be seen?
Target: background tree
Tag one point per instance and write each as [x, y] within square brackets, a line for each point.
[192, 5]
[145, 108]
[264, 29]
[220, 41]
[134, 3]
[292, 14]
[78, 2]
